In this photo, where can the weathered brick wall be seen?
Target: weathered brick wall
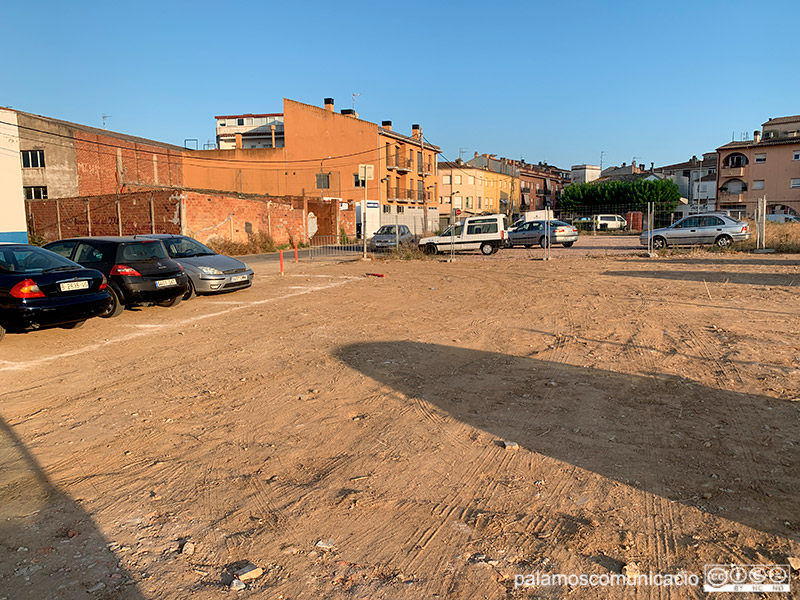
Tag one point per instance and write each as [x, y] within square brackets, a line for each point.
[107, 164]
[134, 213]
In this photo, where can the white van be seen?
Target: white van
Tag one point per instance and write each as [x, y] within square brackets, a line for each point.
[608, 222]
[486, 233]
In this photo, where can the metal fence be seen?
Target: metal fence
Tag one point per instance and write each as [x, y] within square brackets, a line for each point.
[334, 246]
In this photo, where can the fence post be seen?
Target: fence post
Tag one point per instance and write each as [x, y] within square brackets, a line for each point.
[89, 216]
[295, 251]
[281, 253]
[58, 218]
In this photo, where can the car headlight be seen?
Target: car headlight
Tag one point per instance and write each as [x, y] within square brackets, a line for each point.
[210, 270]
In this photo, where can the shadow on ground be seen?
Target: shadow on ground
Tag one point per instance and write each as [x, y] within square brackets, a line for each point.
[771, 279]
[49, 546]
[726, 453]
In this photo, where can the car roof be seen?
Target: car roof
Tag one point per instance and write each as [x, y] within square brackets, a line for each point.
[110, 238]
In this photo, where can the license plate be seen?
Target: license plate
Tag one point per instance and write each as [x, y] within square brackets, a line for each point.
[68, 286]
[166, 283]
[237, 278]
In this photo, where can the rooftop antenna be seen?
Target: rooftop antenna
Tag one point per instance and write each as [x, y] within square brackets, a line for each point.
[105, 116]
[354, 100]
[462, 152]
[602, 153]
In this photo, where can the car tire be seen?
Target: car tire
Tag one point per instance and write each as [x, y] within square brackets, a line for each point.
[567, 244]
[116, 307]
[190, 291]
[486, 248]
[723, 241]
[2, 332]
[659, 243]
[430, 249]
[543, 242]
[171, 302]
[75, 325]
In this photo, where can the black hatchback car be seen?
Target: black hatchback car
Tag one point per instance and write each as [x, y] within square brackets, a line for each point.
[137, 268]
[39, 288]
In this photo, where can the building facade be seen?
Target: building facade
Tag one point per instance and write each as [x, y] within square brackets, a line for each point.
[319, 152]
[768, 165]
[692, 178]
[584, 173]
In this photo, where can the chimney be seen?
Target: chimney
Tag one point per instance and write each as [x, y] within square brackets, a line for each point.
[641, 167]
[415, 131]
[238, 141]
[349, 112]
[652, 166]
[757, 136]
[623, 165]
[387, 125]
[694, 160]
[476, 155]
[329, 104]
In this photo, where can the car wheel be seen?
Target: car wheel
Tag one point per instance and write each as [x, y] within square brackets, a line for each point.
[659, 243]
[567, 244]
[543, 242]
[486, 248]
[723, 241]
[116, 307]
[190, 291]
[430, 249]
[74, 325]
[2, 332]
[171, 302]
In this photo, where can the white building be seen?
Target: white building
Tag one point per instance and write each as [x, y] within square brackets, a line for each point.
[256, 131]
[585, 173]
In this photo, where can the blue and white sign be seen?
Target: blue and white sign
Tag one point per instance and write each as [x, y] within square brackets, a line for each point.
[373, 204]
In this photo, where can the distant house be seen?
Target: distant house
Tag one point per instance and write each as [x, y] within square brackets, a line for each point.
[688, 176]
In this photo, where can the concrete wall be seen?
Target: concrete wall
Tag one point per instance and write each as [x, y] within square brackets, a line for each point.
[12, 204]
[60, 172]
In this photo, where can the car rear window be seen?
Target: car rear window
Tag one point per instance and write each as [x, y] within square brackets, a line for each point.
[142, 251]
[22, 259]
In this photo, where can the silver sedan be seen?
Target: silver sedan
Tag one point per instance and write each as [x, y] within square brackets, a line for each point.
[717, 229]
[534, 232]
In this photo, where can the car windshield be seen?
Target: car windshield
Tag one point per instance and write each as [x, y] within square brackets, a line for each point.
[183, 247]
[150, 250]
[385, 230]
[30, 259]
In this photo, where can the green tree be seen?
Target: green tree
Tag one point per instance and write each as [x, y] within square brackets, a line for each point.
[630, 195]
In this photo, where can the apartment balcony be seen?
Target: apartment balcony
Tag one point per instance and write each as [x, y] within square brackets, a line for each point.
[425, 169]
[403, 165]
[731, 172]
[726, 196]
[542, 192]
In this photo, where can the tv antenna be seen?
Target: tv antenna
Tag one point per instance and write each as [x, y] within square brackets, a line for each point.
[105, 116]
[354, 100]
[462, 152]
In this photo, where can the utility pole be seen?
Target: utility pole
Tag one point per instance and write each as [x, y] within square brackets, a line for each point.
[424, 191]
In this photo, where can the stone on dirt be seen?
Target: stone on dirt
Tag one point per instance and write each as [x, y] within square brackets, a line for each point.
[510, 445]
[248, 572]
[237, 584]
[188, 549]
[631, 570]
[794, 562]
[328, 544]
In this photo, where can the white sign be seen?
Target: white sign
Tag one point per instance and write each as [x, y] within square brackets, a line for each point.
[344, 206]
[312, 224]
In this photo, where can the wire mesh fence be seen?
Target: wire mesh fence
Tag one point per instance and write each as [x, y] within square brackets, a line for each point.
[334, 246]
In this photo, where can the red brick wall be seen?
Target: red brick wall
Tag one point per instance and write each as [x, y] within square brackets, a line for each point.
[107, 165]
[281, 218]
[134, 210]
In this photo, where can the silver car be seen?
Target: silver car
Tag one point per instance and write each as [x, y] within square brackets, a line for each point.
[717, 229]
[208, 271]
[534, 233]
[387, 237]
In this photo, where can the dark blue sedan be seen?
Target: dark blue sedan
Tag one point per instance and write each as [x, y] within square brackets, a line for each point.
[39, 288]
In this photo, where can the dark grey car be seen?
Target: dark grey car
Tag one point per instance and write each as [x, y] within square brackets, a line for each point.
[208, 271]
[388, 236]
[717, 229]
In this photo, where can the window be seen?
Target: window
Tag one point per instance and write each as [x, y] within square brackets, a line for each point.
[419, 162]
[703, 187]
[445, 179]
[456, 201]
[401, 209]
[796, 155]
[457, 179]
[249, 120]
[795, 183]
[470, 180]
[240, 121]
[478, 228]
[323, 181]
[761, 158]
[469, 201]
[441, 200]
[386, 208]
[758, 184]
[88, 254]
[479, 202]
[33, 159]
[39, 192]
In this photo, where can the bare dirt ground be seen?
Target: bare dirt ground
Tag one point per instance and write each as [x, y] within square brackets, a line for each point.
[654, 403]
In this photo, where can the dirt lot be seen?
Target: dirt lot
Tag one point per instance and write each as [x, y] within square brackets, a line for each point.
[345, 433]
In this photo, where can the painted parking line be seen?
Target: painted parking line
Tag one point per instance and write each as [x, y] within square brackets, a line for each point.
[146, 330]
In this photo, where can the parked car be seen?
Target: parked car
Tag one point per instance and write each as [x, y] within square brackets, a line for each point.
[609, 222]
[534, 232]
[388, 236]
[485, 233]
[39, 288]
[208, 272]
[781, 218]
[698, 229]
[138, 269]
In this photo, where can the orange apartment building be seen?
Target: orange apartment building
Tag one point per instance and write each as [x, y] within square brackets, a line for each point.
[768, 165]
[316, 152]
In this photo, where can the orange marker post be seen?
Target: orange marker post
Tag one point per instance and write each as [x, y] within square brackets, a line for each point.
[295, 252]
[281, 262]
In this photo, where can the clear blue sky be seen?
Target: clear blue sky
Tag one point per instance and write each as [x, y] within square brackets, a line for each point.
[550, 81]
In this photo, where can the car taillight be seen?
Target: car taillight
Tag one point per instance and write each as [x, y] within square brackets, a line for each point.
[125, 270]
[574, 230]
[744, 229]
[181, 267]
[502, 234]
[26, 289]
[561, 230]
[103, 285]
